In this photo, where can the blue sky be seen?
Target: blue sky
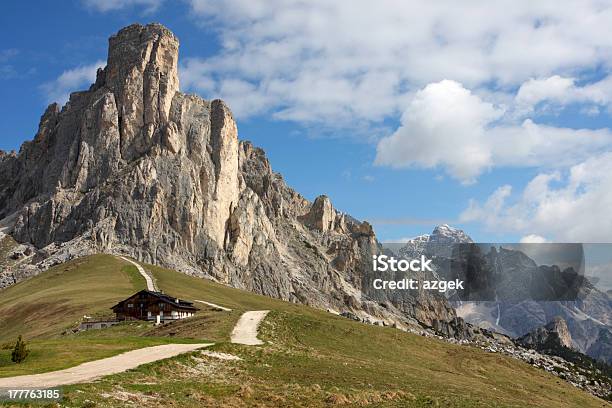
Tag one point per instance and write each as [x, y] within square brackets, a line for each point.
[407, 114]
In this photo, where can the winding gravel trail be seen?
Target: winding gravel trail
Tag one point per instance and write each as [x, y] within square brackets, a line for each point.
[245, 331]
[214, 305]
[150, 283]
[92, 370]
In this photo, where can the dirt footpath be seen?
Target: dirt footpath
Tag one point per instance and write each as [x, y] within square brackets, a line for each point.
[245, 331]
[92, 370]
[150, 284]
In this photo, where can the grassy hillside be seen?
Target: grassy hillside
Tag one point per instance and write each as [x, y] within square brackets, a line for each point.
[57, 299]
[311, 359]
[7, 245]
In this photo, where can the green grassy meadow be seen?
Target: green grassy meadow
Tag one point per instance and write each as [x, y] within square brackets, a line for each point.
[311, 358]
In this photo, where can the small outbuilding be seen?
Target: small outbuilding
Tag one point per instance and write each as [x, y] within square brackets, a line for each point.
[153, 306]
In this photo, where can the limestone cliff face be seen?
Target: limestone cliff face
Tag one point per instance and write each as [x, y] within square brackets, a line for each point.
[133, 166]
[555, 333]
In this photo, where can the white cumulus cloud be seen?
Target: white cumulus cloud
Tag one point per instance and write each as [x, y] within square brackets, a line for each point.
[69, 81]
[446, 125]
[532, 239]
[564, 206]
[535, 91]
[355, 62]
[560, 91]
[103, 6]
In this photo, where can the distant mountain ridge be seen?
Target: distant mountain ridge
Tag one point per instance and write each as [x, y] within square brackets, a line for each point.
[589, 318]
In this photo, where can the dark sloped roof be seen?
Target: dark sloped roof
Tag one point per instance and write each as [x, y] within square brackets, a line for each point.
[183, 304]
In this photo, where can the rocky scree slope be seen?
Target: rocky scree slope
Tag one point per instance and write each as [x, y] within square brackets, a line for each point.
[133, 166]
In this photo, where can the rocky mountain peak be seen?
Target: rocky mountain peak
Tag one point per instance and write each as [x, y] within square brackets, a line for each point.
[558, 325]
[137, 48]
[445, 234]
[142, 75]
[132, 166]
[322, 214]
[436, 243]
[555, 333]
[48, 121]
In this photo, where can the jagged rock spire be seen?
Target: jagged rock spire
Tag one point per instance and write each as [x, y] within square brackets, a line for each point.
[142, 74]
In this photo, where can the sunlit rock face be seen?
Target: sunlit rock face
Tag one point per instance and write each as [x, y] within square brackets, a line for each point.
[133, 166]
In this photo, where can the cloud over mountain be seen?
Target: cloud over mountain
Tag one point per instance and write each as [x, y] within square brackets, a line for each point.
[569, 206]
[70, 80]
[347, 61]
[448, 126]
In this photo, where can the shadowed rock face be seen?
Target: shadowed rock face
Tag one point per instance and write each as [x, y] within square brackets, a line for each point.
[555, 331]
[133, 166]
[587, 319]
